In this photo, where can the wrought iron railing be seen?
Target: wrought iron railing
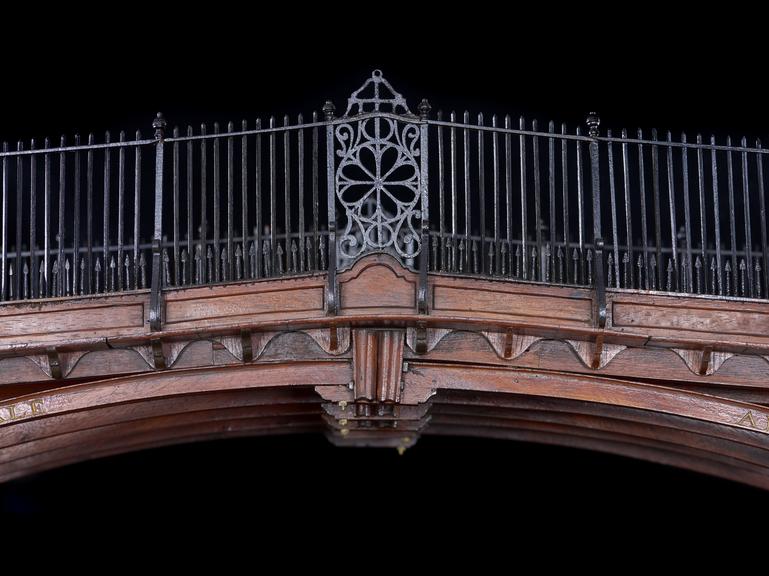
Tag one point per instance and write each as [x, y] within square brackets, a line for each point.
[446, 194]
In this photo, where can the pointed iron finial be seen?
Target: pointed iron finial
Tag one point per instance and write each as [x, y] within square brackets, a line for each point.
[329, 110]
[593, 121]
[159, 124]
[424, 109]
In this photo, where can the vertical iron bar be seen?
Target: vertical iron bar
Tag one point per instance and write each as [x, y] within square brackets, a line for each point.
[656, 208]
[508, 190]
[217, 209]
[244, 200]
[644, 226]
[628, 207]
[537, 202]
[76, 225]
[314, 193]
[62, 205]
[3, 268]
[748, 232]
[441, 190]
[593, 121]
[120, 213]
[551, 200]
[273, 193]
[138, 205]
[466, 158]
[19, 224]
[230, 204]
[762, 212]
[732, 224]
[89, 217]
[177, 209]
[34, 288]
[453, 145]
[190, 208]
[495, 158]
[258, 200]
[105, 212]
[203, 201]
[424, 110]
[687, 214]
[673, 225]
[300, 185]
[565, 199]
[522, 154]
[580, 210]
[47, 223]
[716, 215]
[287, 192]
[482, 192]
[613, 194]
[703, 212]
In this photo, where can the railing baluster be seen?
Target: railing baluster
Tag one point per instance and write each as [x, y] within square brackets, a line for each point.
[331, 296]
[565, 201]
[630, 283]
[33, 285]
[138, 204]
[287, 192]
[203, 203]
[613, 197]
[4, 266]
[230, 203]
[47, 224]
[732, 224]
[593, 121]
[156, 307]
[748, 232]
[76, 224]
[466, 173]
[481, 192]
[120, 212]
[246, 263]
[579, 262]
[672, 204]
[315, 209]
[258, 201]
[190, 209]
[537, 204]
[106, 212]
[177, 211]
[551, 199]
[524, 216]
[703, 213]
[217, 200]
[762, 212]
[62, 204]
[687, 212]
[19, 223]
[716, 215]
[657, 210]
[647, 284]
[441, 189]
[508, 197]
[273, 197]
[300, 187]
[89, 217]
[495, 158]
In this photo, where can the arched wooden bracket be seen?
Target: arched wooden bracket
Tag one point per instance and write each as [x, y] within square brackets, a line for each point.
[595, 354]
[160, 355]
[56, 364]
[703, 362]
[422, 340]
[508, 345]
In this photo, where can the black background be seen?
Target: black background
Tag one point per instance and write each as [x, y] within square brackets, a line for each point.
[635, 72]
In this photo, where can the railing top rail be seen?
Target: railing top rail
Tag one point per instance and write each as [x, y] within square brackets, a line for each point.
[78, 147]
[697, 145]
[516, 131]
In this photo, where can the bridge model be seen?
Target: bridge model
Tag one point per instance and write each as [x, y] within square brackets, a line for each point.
[384, 273]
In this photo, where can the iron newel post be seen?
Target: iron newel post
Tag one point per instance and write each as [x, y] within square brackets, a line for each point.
[424, 112]
[329, 111]
[593, 121]
[159, 125]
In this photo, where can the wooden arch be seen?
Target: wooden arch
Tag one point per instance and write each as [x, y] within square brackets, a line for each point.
[681, 381]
